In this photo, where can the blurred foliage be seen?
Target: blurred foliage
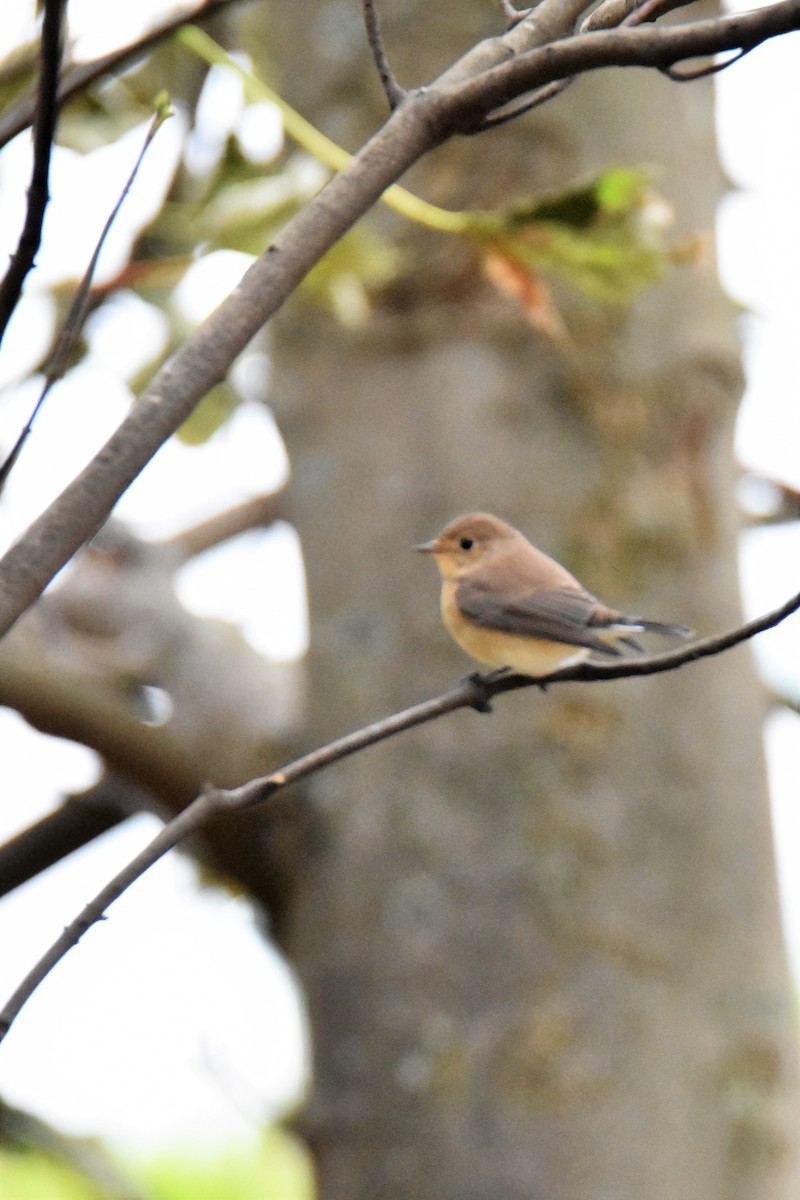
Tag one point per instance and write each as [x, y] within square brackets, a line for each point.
[277, 1168]
[99, 116]
[606, 238]
[343, 280]
[33, 1176]
[18, 72]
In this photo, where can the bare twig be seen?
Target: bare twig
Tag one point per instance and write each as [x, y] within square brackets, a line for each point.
[260, 511]
[44, 129]
[194, 815]
[539, 97]
[775, 503]
[476, 691]
[394, 93]
[70, 331]
[513, 15]
[606, 16]
[714, 68]
[648, 10]
[781, 700]
[20, 115]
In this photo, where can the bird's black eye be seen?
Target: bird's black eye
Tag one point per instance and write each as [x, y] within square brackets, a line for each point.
[466, 543]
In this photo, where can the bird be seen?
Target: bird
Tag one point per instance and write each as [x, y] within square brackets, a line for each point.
[512, 607]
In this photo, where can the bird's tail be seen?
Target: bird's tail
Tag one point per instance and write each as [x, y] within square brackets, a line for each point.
[642, 625]
[682, 631]
[615, 627]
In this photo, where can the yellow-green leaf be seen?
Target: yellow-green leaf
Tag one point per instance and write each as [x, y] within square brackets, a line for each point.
[606, 238]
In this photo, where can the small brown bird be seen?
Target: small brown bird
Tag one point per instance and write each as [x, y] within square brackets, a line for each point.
[512, 607]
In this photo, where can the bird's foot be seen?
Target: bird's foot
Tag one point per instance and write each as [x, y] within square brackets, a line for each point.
[482, 685]
[481, 696]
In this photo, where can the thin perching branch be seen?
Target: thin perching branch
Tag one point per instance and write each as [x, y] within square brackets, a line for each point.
[476, 691]
[44, 130]
[713, 68]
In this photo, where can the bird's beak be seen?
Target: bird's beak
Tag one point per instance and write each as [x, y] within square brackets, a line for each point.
[427, 547]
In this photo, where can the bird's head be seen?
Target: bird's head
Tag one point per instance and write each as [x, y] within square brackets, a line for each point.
[468, 542]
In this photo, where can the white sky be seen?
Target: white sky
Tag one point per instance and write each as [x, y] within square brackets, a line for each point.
[759, 251]
[191, 998]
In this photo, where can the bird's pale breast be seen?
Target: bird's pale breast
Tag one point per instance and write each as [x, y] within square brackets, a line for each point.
[496, 648]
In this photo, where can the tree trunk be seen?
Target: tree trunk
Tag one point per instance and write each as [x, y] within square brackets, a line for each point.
[541, 948]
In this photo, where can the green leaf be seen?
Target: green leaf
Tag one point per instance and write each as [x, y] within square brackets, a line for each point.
[18, 73]
[606, 238]
[97, 117]
[618, 192]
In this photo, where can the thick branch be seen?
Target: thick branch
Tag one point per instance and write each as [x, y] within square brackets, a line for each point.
[474, 692]
[80, 819]
[95, 715]
[204, 358]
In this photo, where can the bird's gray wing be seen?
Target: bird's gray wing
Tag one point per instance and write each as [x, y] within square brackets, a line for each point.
[561, 614]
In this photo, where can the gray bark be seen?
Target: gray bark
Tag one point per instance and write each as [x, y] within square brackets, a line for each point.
[541, 949]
